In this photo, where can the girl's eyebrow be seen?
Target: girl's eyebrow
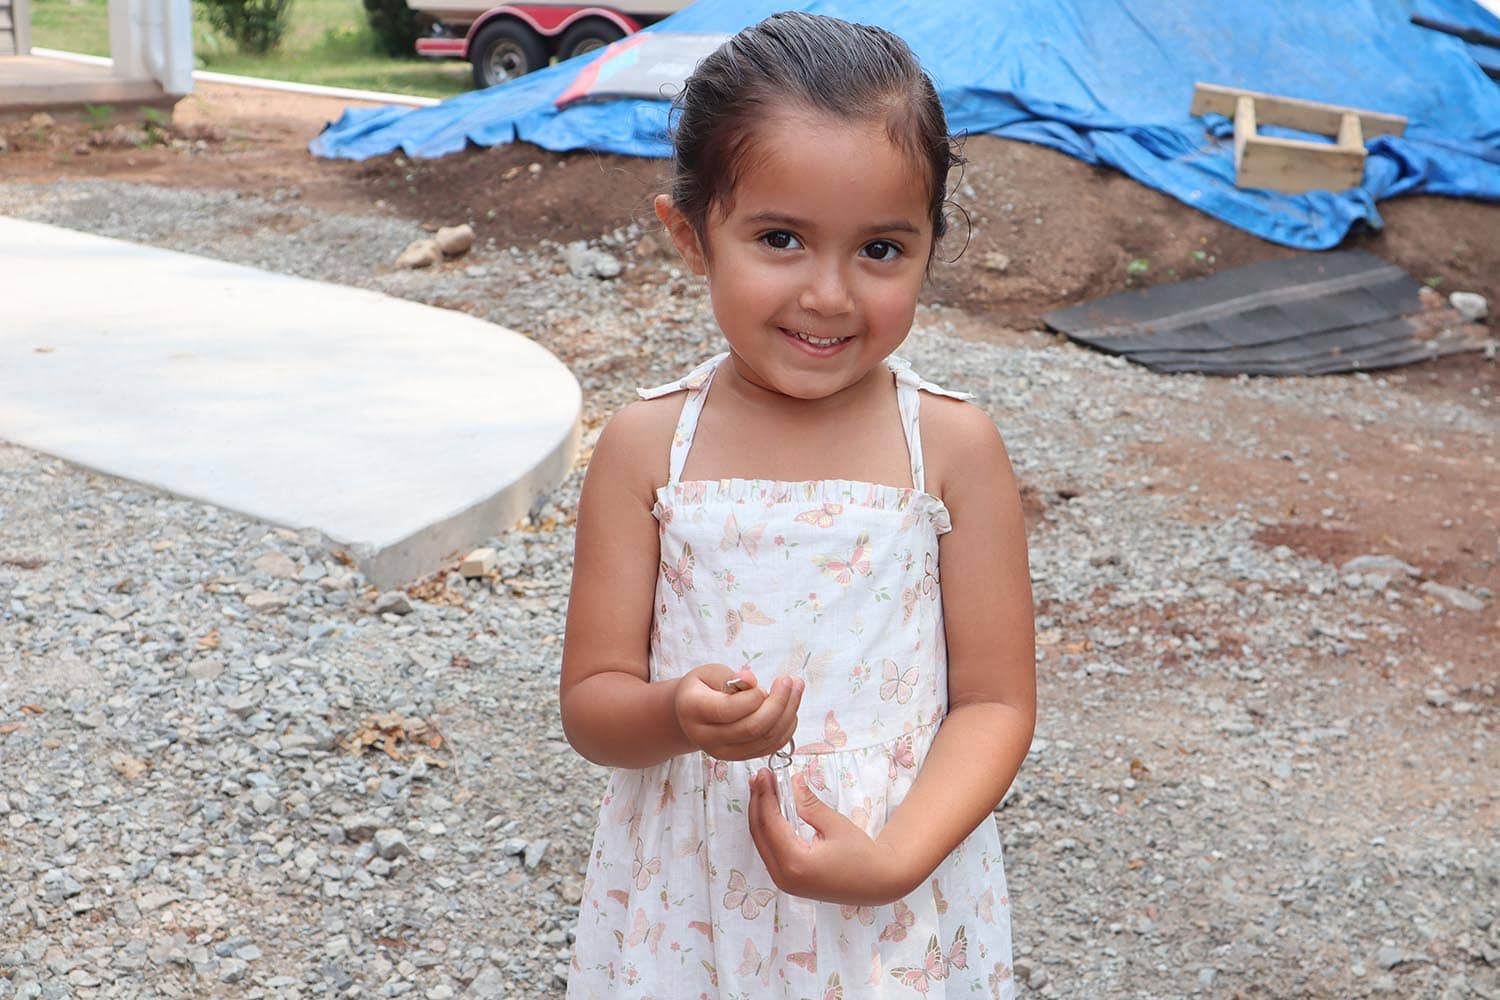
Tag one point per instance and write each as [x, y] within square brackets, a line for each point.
[792, 222]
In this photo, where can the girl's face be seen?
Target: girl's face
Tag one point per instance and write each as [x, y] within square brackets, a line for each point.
[815, 262]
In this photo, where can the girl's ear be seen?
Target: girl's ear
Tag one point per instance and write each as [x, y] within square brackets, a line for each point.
[684, 237]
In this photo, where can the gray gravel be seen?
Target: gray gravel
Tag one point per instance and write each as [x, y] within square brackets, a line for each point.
[195, 708]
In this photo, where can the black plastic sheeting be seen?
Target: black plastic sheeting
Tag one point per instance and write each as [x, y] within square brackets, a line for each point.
[1313, 314]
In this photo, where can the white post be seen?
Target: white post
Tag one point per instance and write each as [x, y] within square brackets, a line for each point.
[176, 72]
[20, 13]
[124, 40]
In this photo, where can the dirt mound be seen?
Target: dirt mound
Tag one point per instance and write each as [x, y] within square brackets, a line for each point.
[1044, 230]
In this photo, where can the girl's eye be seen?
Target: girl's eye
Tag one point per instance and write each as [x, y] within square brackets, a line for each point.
[882, 250]
[780, 239]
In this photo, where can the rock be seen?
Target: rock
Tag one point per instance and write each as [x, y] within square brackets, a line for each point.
[391, 844]
[240, 706]
[41, 120]
[277, 565]
[454, 241]
[1389, 957]
[393, 602]
[1378, 565]
[997, 262]
[1452, 596]
[1470, 305]
[489, 985]
[1206, 977]
[1436, 697]
[586, 262]
[534, 852]
[1430, 298]
[480, 562]
[647, 247]
[419, 253]
[262, 601]
[232, 970]
[205, 669]
[359, 828]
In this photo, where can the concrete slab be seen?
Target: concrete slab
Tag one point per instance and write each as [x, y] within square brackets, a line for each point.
[403, 432]
[31, 83]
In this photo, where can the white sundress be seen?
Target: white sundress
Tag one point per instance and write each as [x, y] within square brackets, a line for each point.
[835, 582]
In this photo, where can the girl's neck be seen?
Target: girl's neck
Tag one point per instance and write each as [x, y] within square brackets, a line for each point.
[745, 389]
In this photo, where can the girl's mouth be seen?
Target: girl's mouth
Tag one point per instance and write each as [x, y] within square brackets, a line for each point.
[819, 345]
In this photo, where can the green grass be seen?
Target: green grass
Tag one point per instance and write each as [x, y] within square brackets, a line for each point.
[328, 43]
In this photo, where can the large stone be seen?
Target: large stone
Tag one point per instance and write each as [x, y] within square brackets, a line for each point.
[480, 562]
[277, 565]
[264, 600]
[419, 253]
[1452, 596]
[1470, 305]
[454, 241]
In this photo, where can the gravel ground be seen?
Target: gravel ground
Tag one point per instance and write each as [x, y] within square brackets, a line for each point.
[230, 768]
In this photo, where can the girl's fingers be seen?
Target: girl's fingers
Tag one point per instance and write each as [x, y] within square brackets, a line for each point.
[772, 722]
[812, 810]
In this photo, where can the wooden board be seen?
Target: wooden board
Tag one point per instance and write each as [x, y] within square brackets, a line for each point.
[1308, 116]
[1295, 167]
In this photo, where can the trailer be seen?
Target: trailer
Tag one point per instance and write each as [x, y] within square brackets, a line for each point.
[511, 40]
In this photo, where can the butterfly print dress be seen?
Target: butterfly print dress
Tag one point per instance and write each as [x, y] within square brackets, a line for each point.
[835, 582]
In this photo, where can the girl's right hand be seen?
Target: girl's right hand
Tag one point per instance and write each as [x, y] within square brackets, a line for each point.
[736, 726]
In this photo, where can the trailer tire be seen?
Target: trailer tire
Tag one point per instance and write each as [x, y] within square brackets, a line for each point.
[588, 35]
[505, 49]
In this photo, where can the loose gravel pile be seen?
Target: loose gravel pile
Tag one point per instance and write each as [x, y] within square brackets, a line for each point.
[228, 767]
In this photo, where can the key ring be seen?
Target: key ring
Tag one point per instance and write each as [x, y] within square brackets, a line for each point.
[780, 764]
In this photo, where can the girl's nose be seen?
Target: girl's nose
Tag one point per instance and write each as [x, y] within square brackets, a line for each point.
[827, 291]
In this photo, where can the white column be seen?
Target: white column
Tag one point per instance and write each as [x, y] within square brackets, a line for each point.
[20, 13]
[176, 69]
[125, 47]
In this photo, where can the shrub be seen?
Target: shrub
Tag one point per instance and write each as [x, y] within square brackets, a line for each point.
[255, 26]
[395, 25]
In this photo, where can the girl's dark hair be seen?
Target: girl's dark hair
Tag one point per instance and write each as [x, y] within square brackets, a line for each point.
[850, 71]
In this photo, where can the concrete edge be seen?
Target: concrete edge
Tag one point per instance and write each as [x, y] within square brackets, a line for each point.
[262, 83]
[425, 551]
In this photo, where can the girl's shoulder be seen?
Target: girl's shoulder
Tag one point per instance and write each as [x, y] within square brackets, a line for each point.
[636, 443]
[960, 444]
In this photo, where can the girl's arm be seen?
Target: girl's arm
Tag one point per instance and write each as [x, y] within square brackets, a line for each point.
[611, 712]
[979, 748]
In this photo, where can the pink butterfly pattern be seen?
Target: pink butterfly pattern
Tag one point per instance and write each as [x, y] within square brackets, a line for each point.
[735, 538]
[936, 966]
[834, 737]
[902, 919]
[679, 576]
[821, 517]
[897, 684]
[740, 896]
[643, 870]
[756, 965]
[747, 614]
[844, 571]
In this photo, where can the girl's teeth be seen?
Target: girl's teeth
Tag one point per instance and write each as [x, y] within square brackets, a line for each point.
[817, 341]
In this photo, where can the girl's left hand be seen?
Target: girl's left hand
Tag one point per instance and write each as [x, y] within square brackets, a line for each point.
[841, 864]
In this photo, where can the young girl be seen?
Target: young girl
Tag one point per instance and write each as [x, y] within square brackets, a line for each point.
[757, 572]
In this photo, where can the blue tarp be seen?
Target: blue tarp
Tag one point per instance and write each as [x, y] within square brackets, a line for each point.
[1106, 81]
